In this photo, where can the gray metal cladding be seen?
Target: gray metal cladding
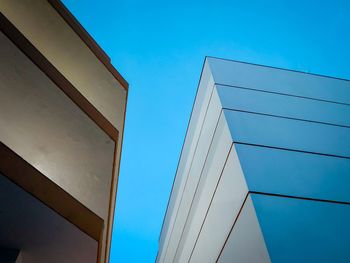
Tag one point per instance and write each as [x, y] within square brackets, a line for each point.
[278, 134]
[245, 242]
[233, 73]
[223, 208]
[284, 105]
[295, 173]
[299, 230]
[210, 175]
[285, 133]
[188, 149]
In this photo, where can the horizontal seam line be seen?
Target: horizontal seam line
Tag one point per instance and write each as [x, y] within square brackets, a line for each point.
[278, 68]
[300, 197]
[289, 118]
[284, 94]
[292, 150]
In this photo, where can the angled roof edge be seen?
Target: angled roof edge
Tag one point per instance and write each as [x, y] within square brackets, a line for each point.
[69, 18]
[202, 79]
[208, 58]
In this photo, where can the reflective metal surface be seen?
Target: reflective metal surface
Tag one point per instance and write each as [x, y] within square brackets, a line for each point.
[285, 173]
[297, 230]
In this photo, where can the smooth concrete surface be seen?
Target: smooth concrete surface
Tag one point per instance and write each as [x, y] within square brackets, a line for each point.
[55, 39]
[40, 234]
[42, 125]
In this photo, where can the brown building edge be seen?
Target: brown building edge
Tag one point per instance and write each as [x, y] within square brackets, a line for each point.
[87, 39]
[104, 58]
[38, 185]
[39, 60]
[43, 189]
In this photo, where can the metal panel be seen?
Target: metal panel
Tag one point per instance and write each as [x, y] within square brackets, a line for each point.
[245, 244]
[203, 145]
[278, 120]
[206, 187]
[291, 134]
[282, 105]
[228, 199]
[294, 173]
[278, 80]
[303, 231]
[192, 135]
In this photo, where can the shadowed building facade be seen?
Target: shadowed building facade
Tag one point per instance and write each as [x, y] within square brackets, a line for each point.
[264, 172]
[62, 110]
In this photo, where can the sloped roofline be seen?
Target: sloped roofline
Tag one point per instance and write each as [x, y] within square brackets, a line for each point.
[273, 67]
[69, 18]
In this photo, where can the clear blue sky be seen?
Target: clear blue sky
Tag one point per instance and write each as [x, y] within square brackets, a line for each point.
[159, 47]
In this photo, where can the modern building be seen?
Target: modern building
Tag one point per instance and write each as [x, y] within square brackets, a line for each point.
[264, 173]
[62, 108]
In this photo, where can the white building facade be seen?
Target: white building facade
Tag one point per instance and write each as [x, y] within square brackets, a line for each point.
[264, 173]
